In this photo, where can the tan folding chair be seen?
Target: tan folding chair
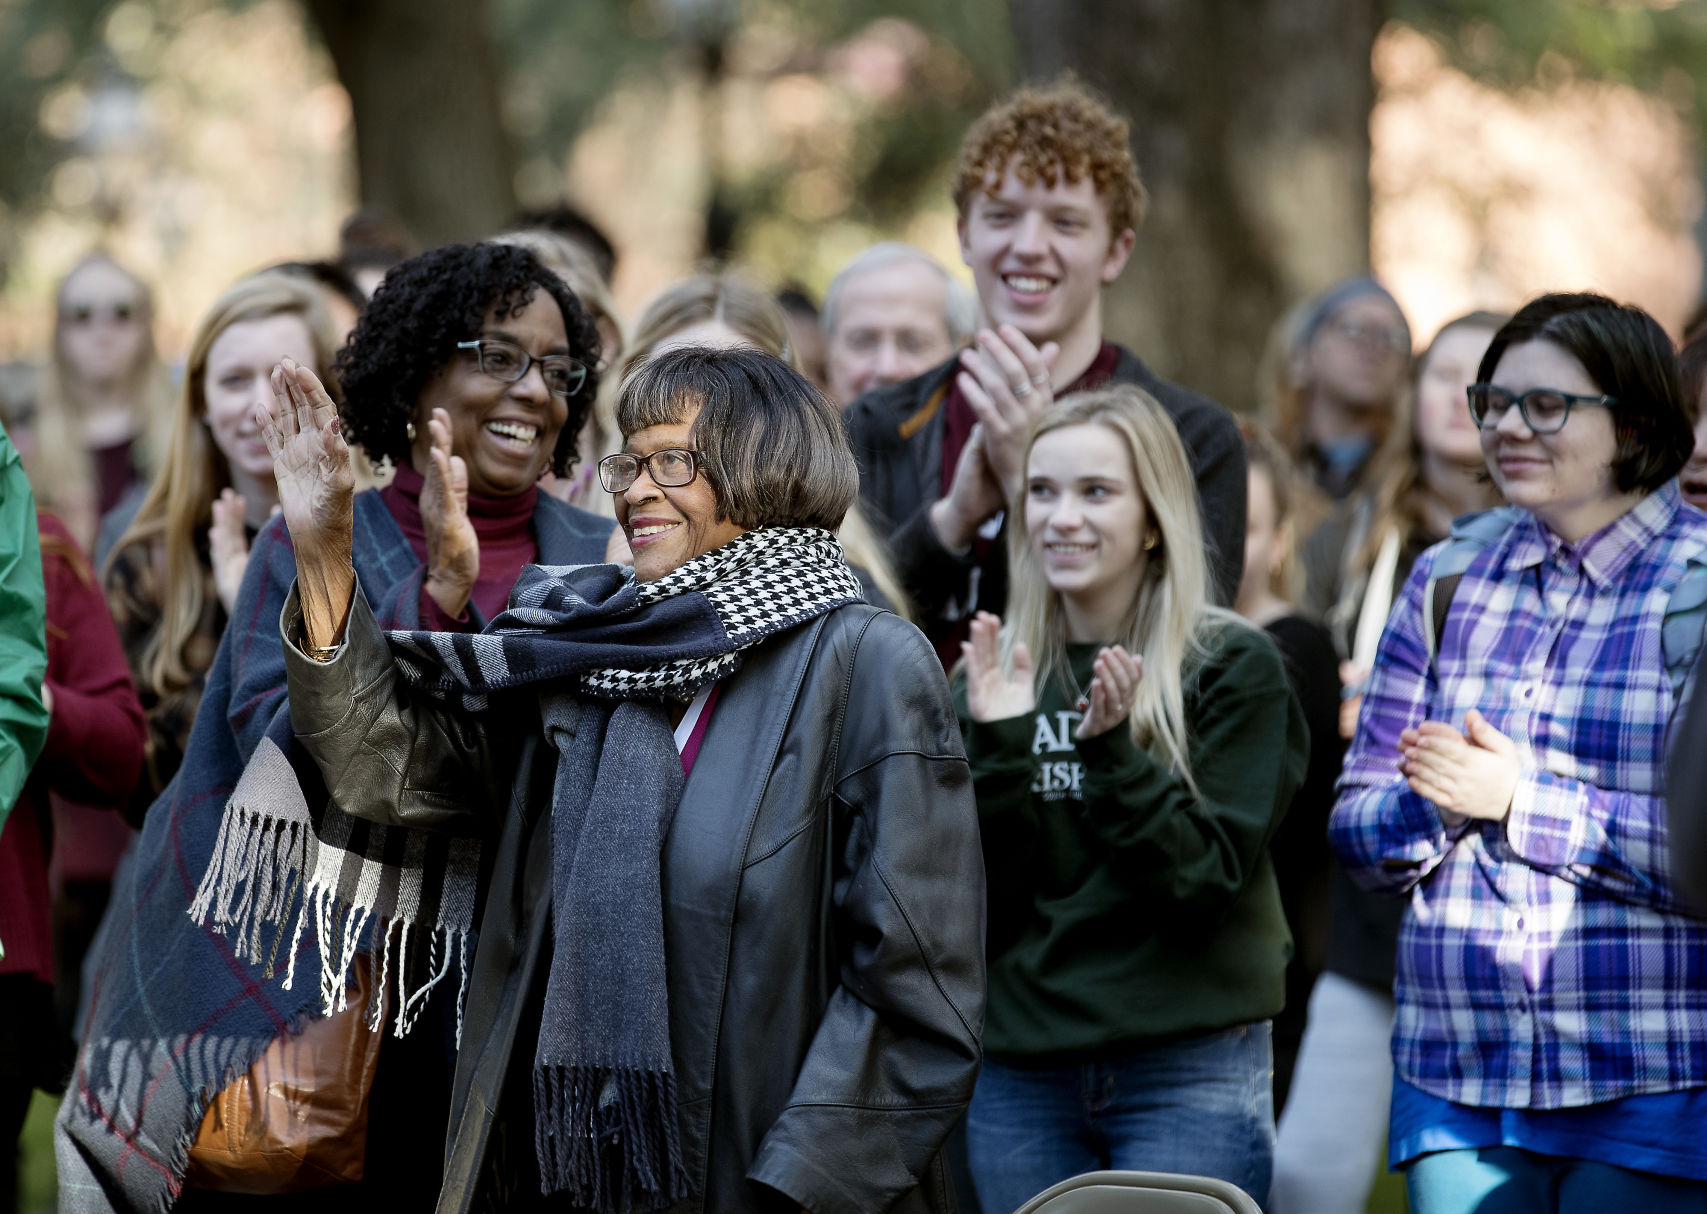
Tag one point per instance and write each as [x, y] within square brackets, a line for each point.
[1141, 1193]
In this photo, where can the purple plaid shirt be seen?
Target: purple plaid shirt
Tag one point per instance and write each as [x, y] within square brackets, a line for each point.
[1544, 960]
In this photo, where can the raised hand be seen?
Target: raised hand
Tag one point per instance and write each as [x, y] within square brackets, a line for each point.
[453, 550]
[973, 496]
[992, 694]
[311, 463]
[1113, 690]
[1006, 381]
[228, 545]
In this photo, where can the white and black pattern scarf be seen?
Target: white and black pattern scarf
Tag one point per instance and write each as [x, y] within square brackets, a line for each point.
[671, 636]
[602, 653]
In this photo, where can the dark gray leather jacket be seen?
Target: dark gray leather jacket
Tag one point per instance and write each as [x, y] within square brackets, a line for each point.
[823, 913]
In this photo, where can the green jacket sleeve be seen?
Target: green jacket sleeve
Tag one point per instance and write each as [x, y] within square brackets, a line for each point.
[23, 630]
[1249, 747]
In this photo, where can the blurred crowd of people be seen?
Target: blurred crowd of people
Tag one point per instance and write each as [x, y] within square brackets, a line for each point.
[894, 753]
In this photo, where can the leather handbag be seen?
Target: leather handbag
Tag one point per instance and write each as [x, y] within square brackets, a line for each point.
[297, 1119]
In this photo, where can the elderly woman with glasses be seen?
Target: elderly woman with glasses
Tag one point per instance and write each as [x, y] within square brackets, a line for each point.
[1506, 777]
[470, 372]
[732, 955]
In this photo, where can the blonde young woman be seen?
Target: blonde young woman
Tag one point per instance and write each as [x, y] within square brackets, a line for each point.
[104, 397]
[1132, 750]
[722, 309]
[173, 575]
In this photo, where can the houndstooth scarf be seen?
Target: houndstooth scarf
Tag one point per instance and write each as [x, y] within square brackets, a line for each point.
[602, 652]
[669, 637]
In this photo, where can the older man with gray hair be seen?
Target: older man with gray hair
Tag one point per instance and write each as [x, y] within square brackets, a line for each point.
[891, 313]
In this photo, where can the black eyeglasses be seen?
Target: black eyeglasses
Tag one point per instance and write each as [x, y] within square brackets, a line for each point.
[1544, 410]
[506, 361]
[669, 467]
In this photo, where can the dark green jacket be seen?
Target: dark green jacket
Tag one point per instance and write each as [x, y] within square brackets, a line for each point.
[23, 630]
[1122, 908]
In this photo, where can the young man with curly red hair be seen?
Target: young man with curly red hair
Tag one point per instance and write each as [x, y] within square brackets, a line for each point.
[1049, 203]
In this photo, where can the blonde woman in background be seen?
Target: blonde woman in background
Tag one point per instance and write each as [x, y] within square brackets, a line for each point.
[1132, 749]
[600, 436]
[174, 573]
[1429, 472]
[103, 398]
[1339, 372]
[721, 309]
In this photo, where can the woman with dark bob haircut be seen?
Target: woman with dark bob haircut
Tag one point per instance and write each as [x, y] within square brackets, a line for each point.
[1550, 1041]
[732, 953]
[471, 371]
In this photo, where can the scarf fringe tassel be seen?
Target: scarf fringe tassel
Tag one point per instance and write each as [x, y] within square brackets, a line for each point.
[255, 879]
[608, 1137]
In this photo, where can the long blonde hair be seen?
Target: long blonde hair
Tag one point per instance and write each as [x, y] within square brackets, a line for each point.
[179, 507]
[752, 312]
[1170, 622]
[720, 295]
[61, 472]
[1400, 495]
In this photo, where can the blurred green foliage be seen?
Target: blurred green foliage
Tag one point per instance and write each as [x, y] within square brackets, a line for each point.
[1658, 46]
[565, 59]
[44, 44]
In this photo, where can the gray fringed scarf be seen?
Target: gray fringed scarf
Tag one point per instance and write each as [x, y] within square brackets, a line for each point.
[607, 1132]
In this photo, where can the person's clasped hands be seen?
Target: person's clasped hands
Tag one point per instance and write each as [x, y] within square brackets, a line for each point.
[1469, 774]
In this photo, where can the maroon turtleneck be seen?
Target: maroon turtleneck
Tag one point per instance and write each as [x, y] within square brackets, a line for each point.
[504, 527]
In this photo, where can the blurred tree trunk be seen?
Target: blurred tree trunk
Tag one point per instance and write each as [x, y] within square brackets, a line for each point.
[1250, 121]
[430, 143]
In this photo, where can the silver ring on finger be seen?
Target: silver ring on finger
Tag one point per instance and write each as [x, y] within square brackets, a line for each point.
[1023, 391]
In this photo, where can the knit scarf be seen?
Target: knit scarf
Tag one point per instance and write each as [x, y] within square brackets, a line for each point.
[604, 653]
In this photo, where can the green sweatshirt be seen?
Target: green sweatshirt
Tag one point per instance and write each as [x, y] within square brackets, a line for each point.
[1122, 909]
[23, 630]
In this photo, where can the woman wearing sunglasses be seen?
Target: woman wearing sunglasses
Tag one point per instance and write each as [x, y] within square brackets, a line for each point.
[469, 371]
[1550, 1045]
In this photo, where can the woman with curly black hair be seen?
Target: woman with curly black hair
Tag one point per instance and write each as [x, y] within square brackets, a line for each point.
[472, 371]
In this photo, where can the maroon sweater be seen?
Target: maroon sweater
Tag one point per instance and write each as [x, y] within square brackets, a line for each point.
[93, 752]
[504, 526]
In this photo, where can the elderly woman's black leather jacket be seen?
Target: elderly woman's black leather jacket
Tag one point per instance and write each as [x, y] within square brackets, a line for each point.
[823, 913]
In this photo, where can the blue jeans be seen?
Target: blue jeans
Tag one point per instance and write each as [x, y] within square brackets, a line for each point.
[1200, 1105]
[1510, 1180]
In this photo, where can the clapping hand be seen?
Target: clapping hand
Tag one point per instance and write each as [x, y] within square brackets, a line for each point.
[228, 545]
[453, 550]
[992, 694]
[973, 496]
[1113, 691]
[311, 461]
[1473, 774]
[317, 485]
[1006, 381]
